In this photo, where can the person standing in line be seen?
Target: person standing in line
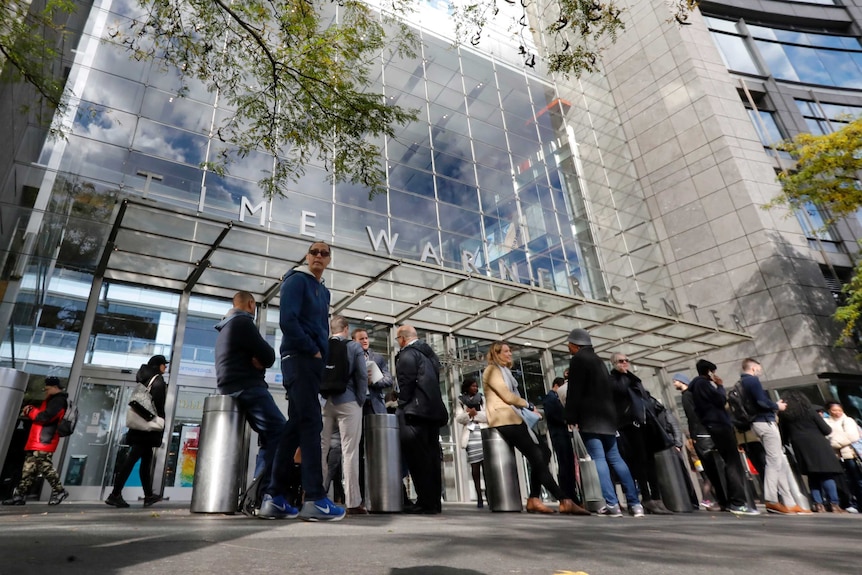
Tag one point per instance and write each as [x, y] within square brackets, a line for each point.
[344, 411]
[845, 432]
[714, 498]
[504, 414]
[806, 431]
[710, 398]
[142, 442]
[42, 443]
[561, 440]
[241, 358]
[590, 406]
[470, 414]
[375, 403]
[304, 313]
[777, 472]
[421, 413]
[640, 437]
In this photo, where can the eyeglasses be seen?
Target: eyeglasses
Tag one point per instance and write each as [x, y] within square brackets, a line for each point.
[622, 361]
[321, 253]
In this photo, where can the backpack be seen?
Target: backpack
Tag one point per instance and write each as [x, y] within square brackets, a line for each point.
[66, 427]
[742, 409]
[337, 369]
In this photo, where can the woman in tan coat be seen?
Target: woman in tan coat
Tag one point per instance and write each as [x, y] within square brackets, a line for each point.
[503, 405]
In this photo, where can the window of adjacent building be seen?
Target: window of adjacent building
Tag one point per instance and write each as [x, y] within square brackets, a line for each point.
[732, 46]
[823, 59]
[823, 118]
[813, 222]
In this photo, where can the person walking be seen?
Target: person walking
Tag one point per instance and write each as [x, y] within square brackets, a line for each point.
[42, 443]
[141, 443]
[504, 414]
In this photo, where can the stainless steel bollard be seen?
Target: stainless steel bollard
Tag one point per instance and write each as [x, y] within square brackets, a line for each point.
[13, 384]
[502, 486]
[220, 466]
[382, 463]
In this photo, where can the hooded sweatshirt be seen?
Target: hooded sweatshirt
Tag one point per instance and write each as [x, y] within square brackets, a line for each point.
[304, 314]
[238, 342]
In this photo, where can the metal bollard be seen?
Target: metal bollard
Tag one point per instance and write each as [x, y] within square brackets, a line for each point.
[220, 466]
[13, 384]
[502, 486]
[382, 463]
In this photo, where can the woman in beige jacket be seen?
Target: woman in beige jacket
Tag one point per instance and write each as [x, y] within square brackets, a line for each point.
[503, 404]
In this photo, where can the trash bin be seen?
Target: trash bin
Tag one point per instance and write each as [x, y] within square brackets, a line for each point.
[13, 384]
[502, 486]
[219, 466]
[671, 481]
[382, 463]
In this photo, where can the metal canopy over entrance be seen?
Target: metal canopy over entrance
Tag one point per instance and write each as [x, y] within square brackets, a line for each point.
[164, 247]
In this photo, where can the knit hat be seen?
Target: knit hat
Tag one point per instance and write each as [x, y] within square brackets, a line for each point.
[580, 337]
[157, 360]
[682, 378]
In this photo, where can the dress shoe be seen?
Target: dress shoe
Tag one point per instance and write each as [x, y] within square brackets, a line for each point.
[654, 508]
[835, 508]
[818, 508]
[358, 510]
[535, 505]
[415, 509]
[800, 511]
[659, 504]
[779, 508]
[569, 507]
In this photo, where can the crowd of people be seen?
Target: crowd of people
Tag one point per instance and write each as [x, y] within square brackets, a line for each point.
[333, 379]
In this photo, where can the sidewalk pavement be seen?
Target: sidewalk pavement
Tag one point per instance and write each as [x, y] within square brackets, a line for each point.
[166, 539]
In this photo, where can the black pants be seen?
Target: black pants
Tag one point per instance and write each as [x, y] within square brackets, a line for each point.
[725, 444]
[519, 437]
[136, 452]
[420, 444]
[641, 460]
[711, 468]
[561, 439]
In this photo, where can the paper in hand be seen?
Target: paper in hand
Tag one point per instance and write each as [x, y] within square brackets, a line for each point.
[375, 375]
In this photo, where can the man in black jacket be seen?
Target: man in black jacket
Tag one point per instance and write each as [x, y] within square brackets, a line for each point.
[707, 391]
[590, 406]
[421, 413]
[241, 358]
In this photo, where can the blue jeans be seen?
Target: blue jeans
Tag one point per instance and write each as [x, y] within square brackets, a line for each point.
[823, 483]
[302, 375]
[604, 451]
[264, 416]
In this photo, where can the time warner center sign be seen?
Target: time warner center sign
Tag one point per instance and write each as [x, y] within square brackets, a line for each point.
[507, 271]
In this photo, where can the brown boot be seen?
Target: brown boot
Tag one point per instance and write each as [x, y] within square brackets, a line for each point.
[569, 507]
[535, 505]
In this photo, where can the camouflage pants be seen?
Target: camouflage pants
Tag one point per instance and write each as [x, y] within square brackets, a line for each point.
[39, 463]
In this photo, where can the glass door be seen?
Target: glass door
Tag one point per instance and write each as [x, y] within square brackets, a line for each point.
[91, 452]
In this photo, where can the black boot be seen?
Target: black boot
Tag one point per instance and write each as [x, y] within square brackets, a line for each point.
[17, 499]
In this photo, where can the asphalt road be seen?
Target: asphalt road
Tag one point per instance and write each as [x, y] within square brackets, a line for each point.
[92, 538]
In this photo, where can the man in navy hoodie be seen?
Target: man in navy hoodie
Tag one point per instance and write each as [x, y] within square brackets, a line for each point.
[710, 398]
[241, 357]
[304, 322]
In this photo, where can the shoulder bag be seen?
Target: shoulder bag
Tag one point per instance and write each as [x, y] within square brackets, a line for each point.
[142, 414]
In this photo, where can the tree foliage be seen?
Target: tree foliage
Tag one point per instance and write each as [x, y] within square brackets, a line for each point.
[827, 174]
[300, 82]
[28, 44]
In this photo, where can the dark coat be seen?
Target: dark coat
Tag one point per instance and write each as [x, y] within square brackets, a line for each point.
[158, 391]
[590, 401]
[239, 341]
[709, 402]
[807, 436]
[697, 430]
[418, 372]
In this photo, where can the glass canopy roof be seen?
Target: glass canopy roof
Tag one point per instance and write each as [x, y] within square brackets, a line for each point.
[164, 247]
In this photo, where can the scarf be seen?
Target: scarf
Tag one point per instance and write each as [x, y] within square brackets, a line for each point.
[512, 384]
[473, 401]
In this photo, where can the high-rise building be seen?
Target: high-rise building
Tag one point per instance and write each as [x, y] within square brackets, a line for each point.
[520, 205]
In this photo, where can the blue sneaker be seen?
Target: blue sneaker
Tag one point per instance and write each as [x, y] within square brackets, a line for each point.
[321, 510]
[276, 508]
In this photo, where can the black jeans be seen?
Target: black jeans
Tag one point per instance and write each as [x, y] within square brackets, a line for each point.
[136, 452]
[561, 439]
[641, 460]
[519, 437]
[725, 444]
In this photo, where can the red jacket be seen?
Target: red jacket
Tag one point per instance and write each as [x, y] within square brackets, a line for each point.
[43, 433]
